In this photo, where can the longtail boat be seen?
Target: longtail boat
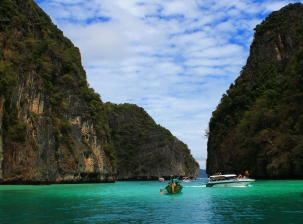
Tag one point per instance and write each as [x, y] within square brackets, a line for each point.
[174, 186]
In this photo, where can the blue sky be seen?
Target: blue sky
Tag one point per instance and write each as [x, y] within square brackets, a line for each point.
[174, 58]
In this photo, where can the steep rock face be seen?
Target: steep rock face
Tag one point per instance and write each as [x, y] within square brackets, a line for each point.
[52, 125]
[144, 149]
[258, 123]
[54, 128]
[1, 139]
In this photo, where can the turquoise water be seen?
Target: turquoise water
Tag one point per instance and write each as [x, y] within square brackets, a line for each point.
[141, 202]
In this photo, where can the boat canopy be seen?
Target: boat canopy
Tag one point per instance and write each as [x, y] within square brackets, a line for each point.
[224, 175]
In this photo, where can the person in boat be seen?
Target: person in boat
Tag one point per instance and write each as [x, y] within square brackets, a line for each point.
[247, 174]
[173, 187]
[239, 176]
[172, 184]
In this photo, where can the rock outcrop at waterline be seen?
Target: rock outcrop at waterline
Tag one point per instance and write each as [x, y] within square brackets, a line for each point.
[258, 125]
[144, 149]
[53, 127]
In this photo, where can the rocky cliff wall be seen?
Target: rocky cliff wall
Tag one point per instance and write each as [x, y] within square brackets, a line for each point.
[47, 128]
[144, 149]
[54, 128]
[258, 124]
[2, 101]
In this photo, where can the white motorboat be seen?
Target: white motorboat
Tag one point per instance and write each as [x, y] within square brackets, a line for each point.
[228, 180]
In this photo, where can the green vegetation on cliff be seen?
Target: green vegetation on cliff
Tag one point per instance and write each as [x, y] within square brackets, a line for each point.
[145, 149]
[54, 127]
[39, 67]
[31, 42]
[258, 125]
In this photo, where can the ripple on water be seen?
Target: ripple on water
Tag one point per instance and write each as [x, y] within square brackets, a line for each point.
[141, 202]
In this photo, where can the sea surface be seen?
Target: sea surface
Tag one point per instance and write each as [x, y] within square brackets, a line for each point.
[141, 202]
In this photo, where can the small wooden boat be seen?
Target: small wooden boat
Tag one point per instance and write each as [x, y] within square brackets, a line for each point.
[173, 187]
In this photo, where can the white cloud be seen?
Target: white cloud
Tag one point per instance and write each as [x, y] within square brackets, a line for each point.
[174, 58]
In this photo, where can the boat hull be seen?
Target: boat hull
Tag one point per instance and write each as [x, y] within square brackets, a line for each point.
[234, 183]
[177, 188]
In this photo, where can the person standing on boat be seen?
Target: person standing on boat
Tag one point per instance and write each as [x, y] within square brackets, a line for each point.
[173, 187]
[172, 184]
[246, 174]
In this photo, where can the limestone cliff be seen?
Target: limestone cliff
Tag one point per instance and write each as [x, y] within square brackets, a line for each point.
[258, 123]
[54, 128]
[144, 149]
[52, 125]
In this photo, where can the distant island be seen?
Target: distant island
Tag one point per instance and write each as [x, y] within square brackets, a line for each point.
[202, 174]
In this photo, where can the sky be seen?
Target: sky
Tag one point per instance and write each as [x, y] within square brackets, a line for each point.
[174, 58]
